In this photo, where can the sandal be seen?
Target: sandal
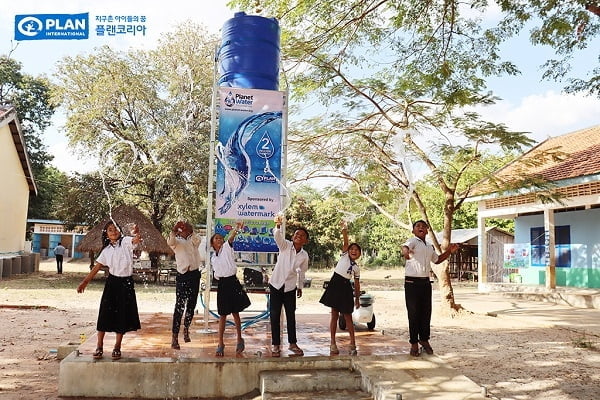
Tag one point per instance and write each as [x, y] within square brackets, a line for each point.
[333, 349]
[296, 350]
[426, 347]
[116, 354]
[98, 353]
[186, 335]
[220, 350]
[414, 352]
[239, 348]
[275, 351]
[352, 351]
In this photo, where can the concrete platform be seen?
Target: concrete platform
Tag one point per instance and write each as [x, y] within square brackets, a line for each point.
[568, 296]
[150, 369]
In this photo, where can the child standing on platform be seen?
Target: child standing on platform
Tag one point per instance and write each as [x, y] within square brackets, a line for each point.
[231, 297]
[188, 259]
[286, 285]
[118, 307]
[338, 294]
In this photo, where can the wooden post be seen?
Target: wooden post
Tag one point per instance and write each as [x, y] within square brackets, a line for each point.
[481, 255]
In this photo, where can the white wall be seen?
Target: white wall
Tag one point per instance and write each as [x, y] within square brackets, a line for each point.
[584, 230]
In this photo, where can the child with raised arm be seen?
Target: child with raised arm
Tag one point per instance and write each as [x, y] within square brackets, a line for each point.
[231, 297]
[339, 293]
[286, 284]
[118, 307]
[187, 257]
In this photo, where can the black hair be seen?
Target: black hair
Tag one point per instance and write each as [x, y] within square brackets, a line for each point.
[416, 222]
[212, 238]
[105, 239]
[357, 245]
[303, 229]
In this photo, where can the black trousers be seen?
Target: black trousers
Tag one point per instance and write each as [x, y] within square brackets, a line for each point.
[59, 262]
[417, 293]
[278, 299]
[186, 298]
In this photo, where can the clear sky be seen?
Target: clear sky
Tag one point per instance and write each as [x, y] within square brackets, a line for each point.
[528, 104]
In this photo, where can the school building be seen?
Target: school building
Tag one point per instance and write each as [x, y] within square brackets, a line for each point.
[47, 234]
[557, 240]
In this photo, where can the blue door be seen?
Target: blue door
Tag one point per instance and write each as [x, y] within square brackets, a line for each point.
[36, 241]
[76, 241]
[54, 241]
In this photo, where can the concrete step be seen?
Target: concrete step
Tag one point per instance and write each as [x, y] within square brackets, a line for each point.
[579, 300]
[319, 395]
[309, 380]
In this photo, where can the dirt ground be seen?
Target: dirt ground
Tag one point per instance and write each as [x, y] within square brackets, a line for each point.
[514, 357]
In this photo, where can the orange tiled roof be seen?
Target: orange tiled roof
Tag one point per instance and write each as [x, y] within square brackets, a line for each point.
[579, 156]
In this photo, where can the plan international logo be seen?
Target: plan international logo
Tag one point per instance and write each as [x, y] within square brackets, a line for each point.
[52, 26]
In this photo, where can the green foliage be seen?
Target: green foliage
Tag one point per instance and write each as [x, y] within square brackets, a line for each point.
[83, 201]
[568, 26]
[51, 184]
[321, 219]
[322, 214]
[147, 115]
[30, 96]
[382, 241]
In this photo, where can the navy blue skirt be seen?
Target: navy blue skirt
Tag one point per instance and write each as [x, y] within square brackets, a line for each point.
[118, 306]
[339, 294]
[231, 297]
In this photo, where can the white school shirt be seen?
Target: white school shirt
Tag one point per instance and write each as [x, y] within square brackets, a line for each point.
[345, 269]
[291, 266]
[223, 264]
[422, 254]
[118, 258]
[187, 256]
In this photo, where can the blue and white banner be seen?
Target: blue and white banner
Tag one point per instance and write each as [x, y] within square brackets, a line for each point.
[249, 165]
[52, 26]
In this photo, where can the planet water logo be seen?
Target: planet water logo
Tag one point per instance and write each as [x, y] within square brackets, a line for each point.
[229, 100]
[52, 26]
[238, 99]
[244, 99]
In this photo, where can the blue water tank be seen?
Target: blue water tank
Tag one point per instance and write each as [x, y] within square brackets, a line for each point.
[249, 54]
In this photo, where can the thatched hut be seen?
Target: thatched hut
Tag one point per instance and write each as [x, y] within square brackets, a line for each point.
[153, 241]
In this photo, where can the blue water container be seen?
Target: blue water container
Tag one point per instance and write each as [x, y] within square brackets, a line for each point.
[249, 53]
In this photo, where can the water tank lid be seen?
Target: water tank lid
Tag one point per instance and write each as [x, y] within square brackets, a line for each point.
[239, 14]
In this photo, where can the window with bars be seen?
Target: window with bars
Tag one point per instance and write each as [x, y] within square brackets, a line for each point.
[562, 238]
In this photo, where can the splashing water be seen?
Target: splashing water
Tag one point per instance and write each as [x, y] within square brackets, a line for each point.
[350, 217]
[103, 167]
[235, 160]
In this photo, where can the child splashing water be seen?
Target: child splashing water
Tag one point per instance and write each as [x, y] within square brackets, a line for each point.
[338, 294]
[231, 298]
[118, 307]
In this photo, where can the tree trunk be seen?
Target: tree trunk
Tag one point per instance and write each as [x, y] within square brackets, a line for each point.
[448, 305]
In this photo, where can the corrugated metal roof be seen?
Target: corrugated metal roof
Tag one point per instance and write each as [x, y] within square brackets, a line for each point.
[464, 235]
